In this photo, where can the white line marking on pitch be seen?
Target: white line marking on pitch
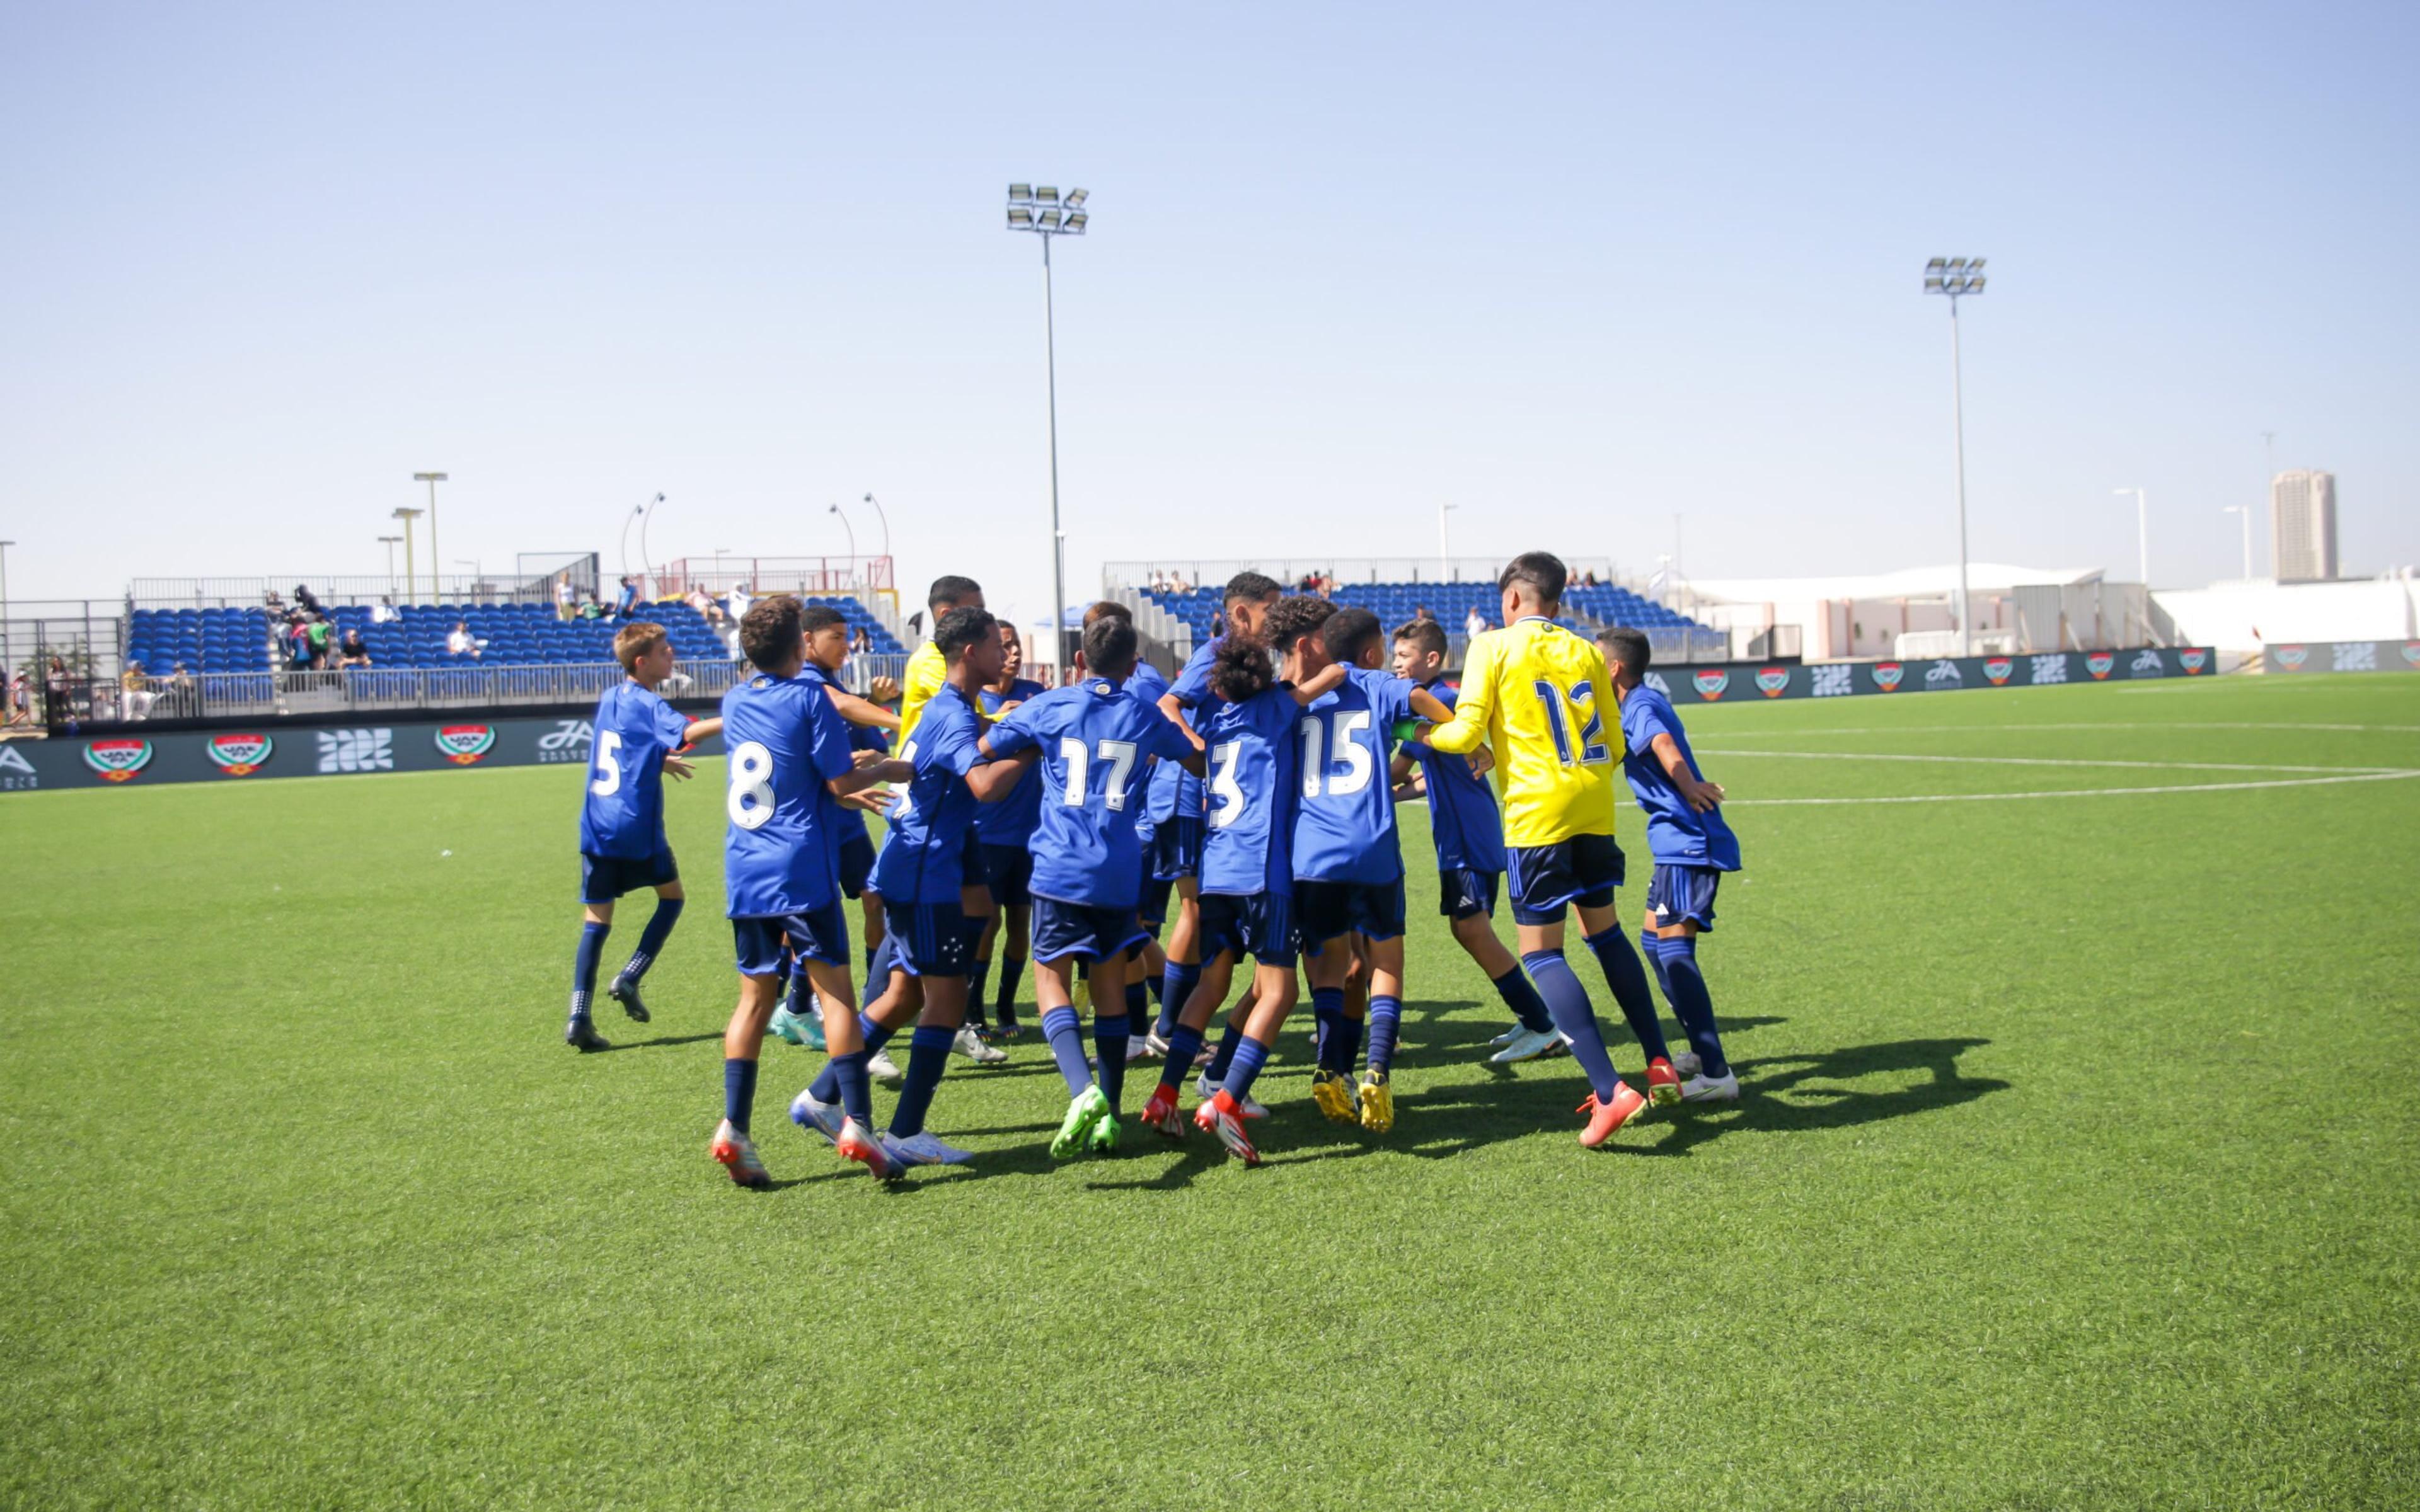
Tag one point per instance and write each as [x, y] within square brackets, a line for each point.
[2093, 724]
[2049, 761]
[2082, 792]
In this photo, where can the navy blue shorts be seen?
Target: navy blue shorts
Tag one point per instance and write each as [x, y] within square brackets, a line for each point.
[926, 939]
[1259, 926]
[1463, 893]
[604, 878]
[1324, 910]
[856, 865]
[970, 861]
[1682, 892]
[1008, 870]
[1065, 929]
[821, 935]
[1583, 870]
[1176, 848]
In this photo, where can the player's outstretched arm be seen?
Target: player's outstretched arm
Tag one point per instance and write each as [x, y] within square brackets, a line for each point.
[888, 770]
[859, 711]
[700, 730]
[1475, 704]
[1429, 706]
[1322, 683]
[1701, 796]
[995, 779]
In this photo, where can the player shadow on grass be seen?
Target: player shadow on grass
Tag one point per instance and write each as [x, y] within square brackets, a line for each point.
[1788, 1094]
[659, 1039]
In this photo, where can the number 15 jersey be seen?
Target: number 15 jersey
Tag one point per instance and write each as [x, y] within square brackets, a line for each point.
[1344, 827]
[1540, 696]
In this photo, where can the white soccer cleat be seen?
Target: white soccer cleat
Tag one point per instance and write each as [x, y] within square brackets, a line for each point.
[1156, 1046]
[969, 1044]
[883, 1068]
[1507, 1037]
[1137, 1048]
[818, 1117]
[1703, 1088]
[924, 1149]
[1205, 1089]
[1525, 1044]
[1687, 1064]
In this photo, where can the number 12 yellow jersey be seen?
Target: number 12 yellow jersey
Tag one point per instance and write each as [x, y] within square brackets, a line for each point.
[1539, 695]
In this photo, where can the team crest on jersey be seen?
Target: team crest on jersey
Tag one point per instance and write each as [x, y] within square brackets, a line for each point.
[117, 761]
[2193, 660]
[1772, 682]
[463, 744]
[1711, 684]
[2290, 657]
[2098, 663]
[1886, 675]
[239, 755]
[1998, 669]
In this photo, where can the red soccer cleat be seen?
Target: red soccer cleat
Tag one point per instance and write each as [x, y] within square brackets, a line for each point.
[867, 1149]
[1161, 1116]
[1219, 1117]
[1662, 1083]
[1605, 1118]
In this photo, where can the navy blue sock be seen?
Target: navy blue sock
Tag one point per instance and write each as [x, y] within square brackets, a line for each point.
[1216, 1070]
[1650, 944]
[1693, 1005]
[827, 1088]
[1521, 997]
[1567, 1003]
[979, 994]
[1111, 1032]
[1183, 1045]
[1250, 1055]
[1138, 1002]
[1012, 971]
[1326, 1008]
[928, 1055]
[739, 1092]
[1176, 987]
[1066, 1033]
[1628, 979]
[583, 966]
[1386, 1023]
[652, 939]
[855, 1087]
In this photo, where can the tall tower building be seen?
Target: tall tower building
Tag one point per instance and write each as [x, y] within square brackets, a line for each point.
[2302, 511]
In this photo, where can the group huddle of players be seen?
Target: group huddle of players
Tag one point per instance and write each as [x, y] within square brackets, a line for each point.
[1247, 810]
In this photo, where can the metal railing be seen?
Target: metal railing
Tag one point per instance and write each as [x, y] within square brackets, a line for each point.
[829, 575]
[1347, 571]
[254, 592]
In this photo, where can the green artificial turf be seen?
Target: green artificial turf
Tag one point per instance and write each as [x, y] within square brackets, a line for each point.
[2077, 1169]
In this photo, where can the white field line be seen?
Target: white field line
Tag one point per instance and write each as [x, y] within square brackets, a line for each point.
[2053, 761]
[2093, 724]
[2078, 793]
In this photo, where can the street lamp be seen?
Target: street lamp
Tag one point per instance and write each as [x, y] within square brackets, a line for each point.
[638, 512]
[1954, 276]
[389, 542]
[1040, 212]
[886, 523]
[8, 654]
[437, 590]
[2142, 532]
[408, 516]
[836, 513]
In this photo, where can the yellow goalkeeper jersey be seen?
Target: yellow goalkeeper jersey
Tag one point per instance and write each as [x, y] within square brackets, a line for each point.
[927, 670]
[1539, 695]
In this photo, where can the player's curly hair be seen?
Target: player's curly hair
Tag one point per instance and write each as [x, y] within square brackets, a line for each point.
[1240, 670]
[1290, 619]
[769, 635]
[962, 628]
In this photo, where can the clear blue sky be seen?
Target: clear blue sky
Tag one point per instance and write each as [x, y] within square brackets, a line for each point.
[1572, 269]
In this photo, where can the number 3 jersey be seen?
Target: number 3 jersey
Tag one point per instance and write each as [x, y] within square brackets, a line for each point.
[1540, 696]
[1344, 825]
[624, 814]
[1247, 823]
[785, 741]
[1097, 746]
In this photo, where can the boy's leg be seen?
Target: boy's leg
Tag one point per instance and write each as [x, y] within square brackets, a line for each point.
[1691, 1002]
[1014, 951]
[1385, 1002]
[979, 972]
[1476, 934]
[1626, 977]
[928, 1052]
[668, 903]
[1567, 1004]
[596, 922]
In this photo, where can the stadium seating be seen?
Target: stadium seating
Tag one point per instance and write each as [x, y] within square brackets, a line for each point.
[1452, 603]
[514, 635]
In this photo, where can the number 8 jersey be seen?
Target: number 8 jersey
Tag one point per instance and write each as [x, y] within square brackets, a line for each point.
[1344, 830]
[785, 741]
[1540, 696]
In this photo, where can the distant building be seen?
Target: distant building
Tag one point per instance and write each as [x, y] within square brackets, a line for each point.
[2303, 510]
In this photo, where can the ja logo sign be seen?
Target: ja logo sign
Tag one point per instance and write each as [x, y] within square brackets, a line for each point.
[570, 740]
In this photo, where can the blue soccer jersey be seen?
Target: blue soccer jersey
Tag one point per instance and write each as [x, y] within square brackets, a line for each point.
[785, 741]
[1677, 835]
[847, 823]
[1010, 821]
[1175, 791]
[1344, 827]
[1252, 791]
[1095, 743]
[1469, 832]
[921, 859]
[624, 813]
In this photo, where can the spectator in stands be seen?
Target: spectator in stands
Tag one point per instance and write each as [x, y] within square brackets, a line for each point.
[318, 633]
[54, 679]
[629, 598]
[1158, 581]
[298, 641]
[738, 604]
[352, 650]
[460, 643]
[305, 600]
[1420, 612]
[1218, 623]
[590, 609]
[1475, 623]
[137, 690]
[275, 605]
[20, 698]
[1588, 579]
[702, 601]
[384, 611]
[1177, 583]
[564, 596]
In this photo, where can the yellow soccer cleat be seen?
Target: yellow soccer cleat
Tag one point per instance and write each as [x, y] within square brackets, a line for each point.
[1378, 1102]
[1334, 1095]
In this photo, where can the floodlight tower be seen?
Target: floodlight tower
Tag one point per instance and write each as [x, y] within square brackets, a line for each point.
[1954, 276]
[1042, 213]
[436, 588]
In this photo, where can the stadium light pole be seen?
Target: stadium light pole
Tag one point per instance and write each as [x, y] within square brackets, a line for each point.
[7, 653]
[389, 542]
[638, 512]
[1041, 212]
[1953, 277]
[2142, 532]
[837, 513]
[410, 570]
[436, 588]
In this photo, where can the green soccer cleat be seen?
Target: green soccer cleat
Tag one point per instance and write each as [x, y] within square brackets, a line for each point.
[1083, 1114]
[1103, 1140]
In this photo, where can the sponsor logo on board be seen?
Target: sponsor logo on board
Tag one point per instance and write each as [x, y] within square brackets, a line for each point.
[356, 751]
[1830, 682]
[2099, 664]
[2147, 663]
[1886, 675]
[1998, 669]
[1711, 684]
[463, 744]
[117, 761]
[2355, 657]
[1772, 682]
[2050, 666]
[2412, 651]
[2193, 660]
[2290, 657]
[16, 772]
[239, 755]
[570, 740]
[1944, 673]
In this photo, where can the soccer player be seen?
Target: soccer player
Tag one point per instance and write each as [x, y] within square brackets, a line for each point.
[1348, 863]
[1177, 801]
[622, 843]
[920, 873]
[1693, 846]
[789, 753]
[1146, 965]
[1246, 864]
[1092, 741]
[1469, 836]
[1537, 694]
[1005, 830]
[927, 672]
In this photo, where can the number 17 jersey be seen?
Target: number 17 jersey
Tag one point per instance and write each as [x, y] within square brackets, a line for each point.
[1540, 696]
[1096, 745]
